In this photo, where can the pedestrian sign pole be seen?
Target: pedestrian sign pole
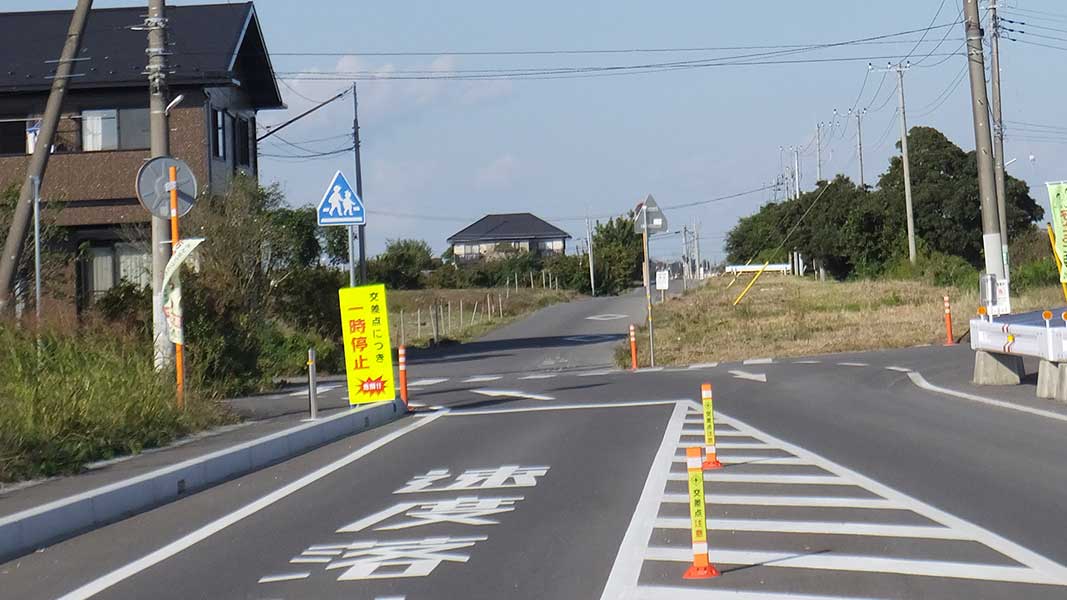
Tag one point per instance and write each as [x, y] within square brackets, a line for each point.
[341, 205]
[368, 351]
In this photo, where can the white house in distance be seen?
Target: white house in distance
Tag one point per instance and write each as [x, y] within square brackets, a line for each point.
[499, 235]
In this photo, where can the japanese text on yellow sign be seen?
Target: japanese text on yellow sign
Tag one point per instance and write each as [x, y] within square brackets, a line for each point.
[709, 422]
[696, 505]
[368, 353]
[1057, 195]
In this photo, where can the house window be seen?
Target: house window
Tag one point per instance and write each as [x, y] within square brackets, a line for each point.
[106, 266]
[242, 143]
[218, 133]
[12, 136]
[115, 129]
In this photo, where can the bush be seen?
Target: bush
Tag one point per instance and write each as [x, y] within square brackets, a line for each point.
[83, 397]
[1036, 273]
[935, 268]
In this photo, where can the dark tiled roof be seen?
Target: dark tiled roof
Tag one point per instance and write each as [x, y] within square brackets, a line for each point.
[204, 42]
[513, 226]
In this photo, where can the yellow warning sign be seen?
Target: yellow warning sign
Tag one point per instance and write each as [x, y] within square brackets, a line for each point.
[368, 352]
[709, 421]
[696, 505]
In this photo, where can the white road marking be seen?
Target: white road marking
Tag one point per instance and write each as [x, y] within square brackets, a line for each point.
[622, 580]
[710, 365]
[539, 376]
[800, 479]
[467, 413]
[606, 317]
[772, 500]
[929, 532]
[320, 389]
[921, 381]
[718, 434]
[739, 446]
[649, 370]
[431, 381]
[512, 394]
[862, 564]
[760, 377]
[758, 361]
[807, 362]
[853, 364]
[481, 378]
[759, 460]
[898, 369]
[599, 373]
[121, 574]
[284, 577]
[696, 593]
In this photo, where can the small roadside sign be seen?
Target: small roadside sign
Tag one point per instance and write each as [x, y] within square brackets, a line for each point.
[663, 280]
[340, 205]
[657, 222]
[368, 352]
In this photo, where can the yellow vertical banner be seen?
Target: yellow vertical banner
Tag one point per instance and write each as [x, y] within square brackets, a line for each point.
[1057, 196]
[368, 351]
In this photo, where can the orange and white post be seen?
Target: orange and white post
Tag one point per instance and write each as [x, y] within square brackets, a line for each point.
[711, 461]
[633, 348]
[402, 358]
[948, 324]
[179, 357]
[701, 567]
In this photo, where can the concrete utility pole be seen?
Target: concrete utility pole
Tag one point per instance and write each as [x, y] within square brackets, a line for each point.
[818, 152]
[685, 257]
[907, 165]
[998, 140]
[796, 171]
[592, 278]
[156, 24]
[859, 149]
[991, 235]
[20, 221]
[359, 192]
[696, 243]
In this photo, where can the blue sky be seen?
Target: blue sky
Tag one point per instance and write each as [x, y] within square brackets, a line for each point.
[449, 151]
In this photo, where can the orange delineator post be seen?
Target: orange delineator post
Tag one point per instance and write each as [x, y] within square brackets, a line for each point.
[711, 461]
[179, 355]
[948, 324]
[701, 567]
[633, 348]
[402, 358]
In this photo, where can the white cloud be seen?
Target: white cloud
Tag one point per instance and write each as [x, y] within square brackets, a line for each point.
[498, 174]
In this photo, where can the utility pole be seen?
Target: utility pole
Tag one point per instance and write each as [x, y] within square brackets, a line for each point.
[796, 171]
[359, 192]
[696, 243]
[156, 24]
[589, 238]
[859, 141]
[991, 234]
[998, 139]
[20, 221]
[685, 257]
[818, 152]
[907, 172]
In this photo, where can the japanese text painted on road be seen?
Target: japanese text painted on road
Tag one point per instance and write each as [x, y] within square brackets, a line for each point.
[368, 352]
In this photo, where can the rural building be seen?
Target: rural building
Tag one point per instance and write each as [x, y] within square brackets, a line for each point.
[496, 236]
[217, 59]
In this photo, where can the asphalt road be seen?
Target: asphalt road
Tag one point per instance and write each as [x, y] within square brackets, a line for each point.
[543, 474]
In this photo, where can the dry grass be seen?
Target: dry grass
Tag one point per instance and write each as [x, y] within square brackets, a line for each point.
[786, 316]
[417, 307]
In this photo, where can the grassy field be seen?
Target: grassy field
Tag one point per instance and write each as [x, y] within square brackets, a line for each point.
[462, 313]
[786, 316]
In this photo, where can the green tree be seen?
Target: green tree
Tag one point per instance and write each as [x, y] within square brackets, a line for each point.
[617, 255]
[401, 265]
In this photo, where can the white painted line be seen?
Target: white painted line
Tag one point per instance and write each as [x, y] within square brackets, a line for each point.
[760, 377]
[928, 532]
[807, 362]
[321, 389]
[430, 381]
[121, 574]
[481, 378]
[898, 369]
[1043, 567]
[718, 434]
[722, 590]
[769, 500]
[862, 564]
[754, 460]
[758, 361]
[309, 560]
[539, 376]
[804, 479]
[921, 381]
[416, 405]
[502, 411]
[853, 364]
[649, 370]
[512, 394]
[744, 446]
[622, 581]
[710, 365]
[284, 577]
[599, 373]
[606, 317]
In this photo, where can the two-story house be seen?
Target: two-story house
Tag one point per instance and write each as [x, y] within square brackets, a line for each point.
[217, 60]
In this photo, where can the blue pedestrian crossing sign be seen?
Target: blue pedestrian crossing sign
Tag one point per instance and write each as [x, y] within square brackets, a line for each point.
[340, 205]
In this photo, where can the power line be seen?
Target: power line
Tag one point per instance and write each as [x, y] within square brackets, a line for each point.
[936, 15]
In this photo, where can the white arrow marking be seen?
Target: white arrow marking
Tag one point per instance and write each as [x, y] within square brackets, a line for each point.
[607, 317]
[512, 394]
[760, 377]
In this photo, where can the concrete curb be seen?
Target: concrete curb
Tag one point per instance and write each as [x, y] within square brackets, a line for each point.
[28, 530]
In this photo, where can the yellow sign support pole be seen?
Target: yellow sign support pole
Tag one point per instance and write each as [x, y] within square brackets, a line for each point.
[711, 460]
[701, 567]
[751, 283]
